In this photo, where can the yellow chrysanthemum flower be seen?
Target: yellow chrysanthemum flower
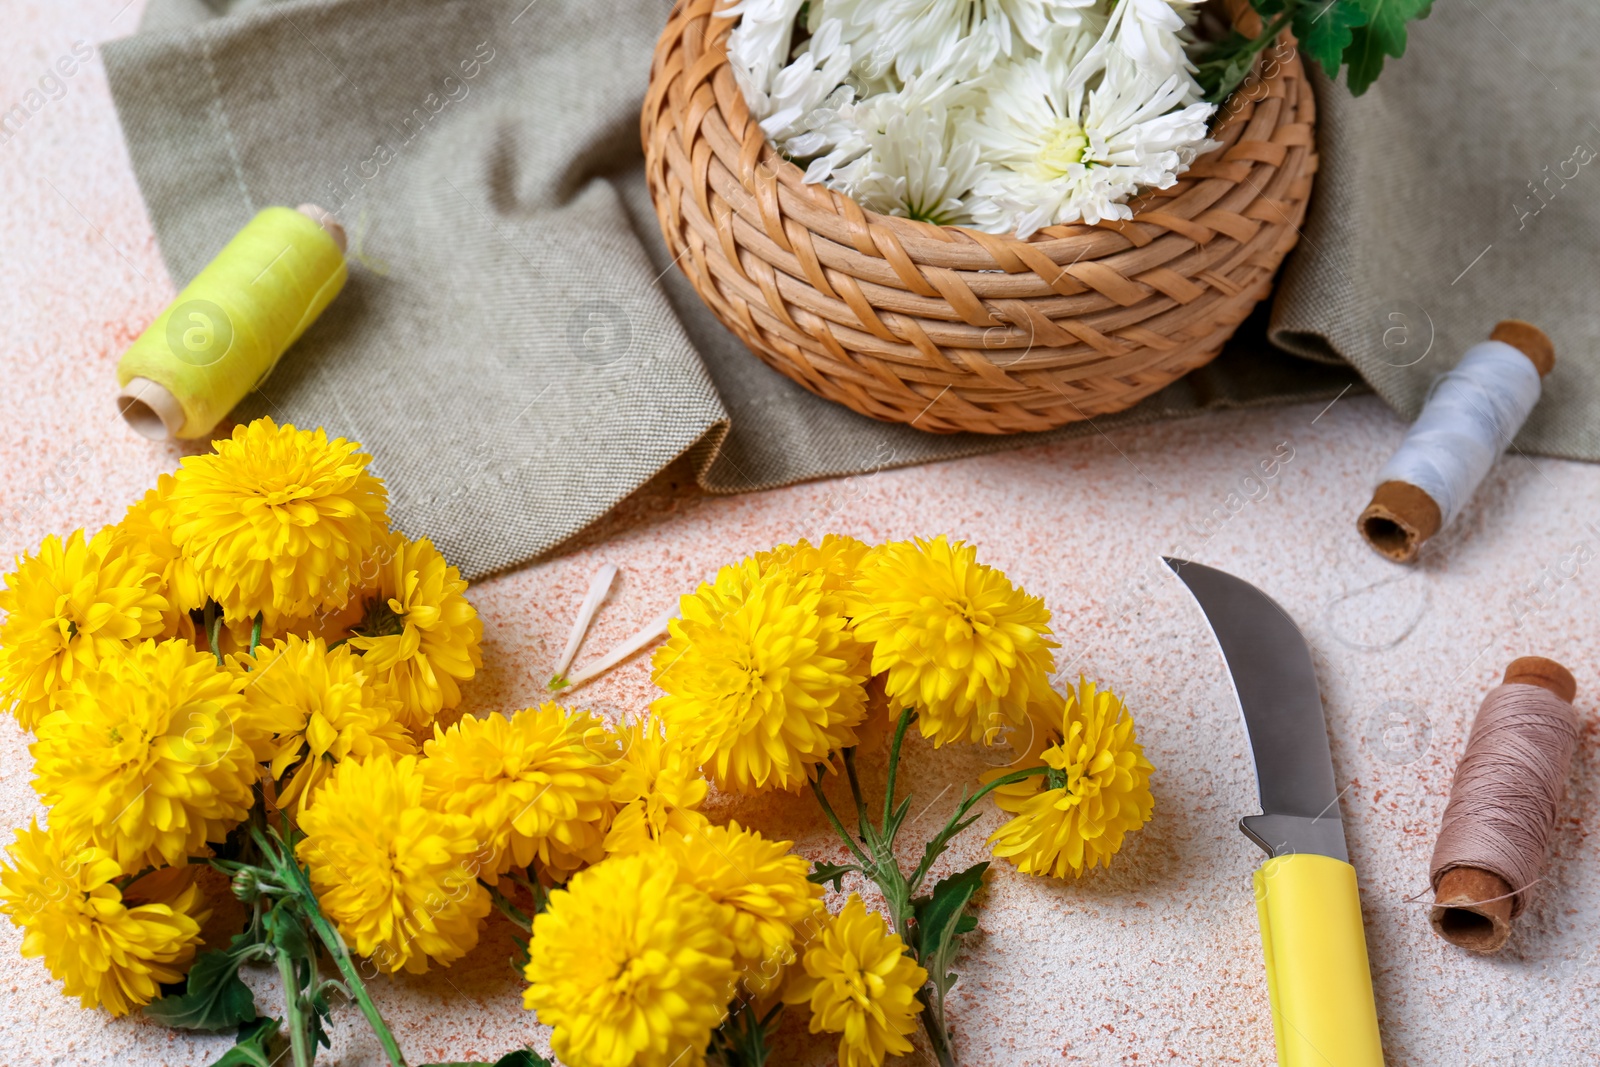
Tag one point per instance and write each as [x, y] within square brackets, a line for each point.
[420, 635]
[147, 756]
[836, 559]
[68, 607]
[538, 784]
[861, 984]
[1098, 790]
[630, 966]
[835, 562]
[312, 708]
[278, 520]
[399, 879]
[762, 678]
[64, 898]
[763, 885]
[148, 524]
[658, 790]
[960, 643]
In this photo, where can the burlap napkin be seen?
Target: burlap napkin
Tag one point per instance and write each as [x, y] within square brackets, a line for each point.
[1462, 189]
[515, 346]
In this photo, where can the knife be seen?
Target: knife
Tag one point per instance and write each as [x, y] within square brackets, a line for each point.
[1318, 979]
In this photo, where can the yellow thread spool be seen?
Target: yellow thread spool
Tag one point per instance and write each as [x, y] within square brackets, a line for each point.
[227, 329]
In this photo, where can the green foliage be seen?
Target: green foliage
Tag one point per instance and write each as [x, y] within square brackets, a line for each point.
[1355, 34]
[830, 874]
[260, 1044]
[1383, 34]
[1225, 64]
[743, 1040]
[930, 925]
[286, 927]
[214, 998]
[940, 919]
[1325, 33]
[520, 1058]
[520, 959]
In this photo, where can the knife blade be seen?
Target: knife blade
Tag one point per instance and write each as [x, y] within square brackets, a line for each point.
[1313, 937]
[1272, 672]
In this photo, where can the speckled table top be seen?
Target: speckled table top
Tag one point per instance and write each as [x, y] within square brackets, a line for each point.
[1156, 961]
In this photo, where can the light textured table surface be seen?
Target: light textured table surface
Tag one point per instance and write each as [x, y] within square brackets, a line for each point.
[1156, 961]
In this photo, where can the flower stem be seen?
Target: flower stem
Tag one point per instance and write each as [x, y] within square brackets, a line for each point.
[938, 1036]
[352, 980]
[213, 622]
[894, 762]
[294, 1010]
[955, 824]
[288, 868]
[255, 634]
[508, 909]
[863, 823]
[529, 880]
[827, 809]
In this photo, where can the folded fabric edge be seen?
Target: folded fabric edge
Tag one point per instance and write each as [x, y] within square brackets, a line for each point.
[1143, 414]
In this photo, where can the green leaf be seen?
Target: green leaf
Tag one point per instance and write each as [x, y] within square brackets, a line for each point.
[261, 1044]
[521, 1058]
[1226, 63]
[321, 1009]
[744, 1038]
[1325, 30]
[286, 929]
[1383, 35]
[891, 827]
[214, 998]
[519, 962]
[941, 919]
[824, 873]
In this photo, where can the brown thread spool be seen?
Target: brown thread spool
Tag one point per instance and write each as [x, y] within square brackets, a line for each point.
[1401, 516]
[1473, 907]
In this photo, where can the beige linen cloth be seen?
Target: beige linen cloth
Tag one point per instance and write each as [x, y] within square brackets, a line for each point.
[518, 353]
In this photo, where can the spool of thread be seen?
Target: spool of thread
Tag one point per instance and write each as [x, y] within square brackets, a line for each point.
[226, 330]
[1471, 416]
[1503, 804]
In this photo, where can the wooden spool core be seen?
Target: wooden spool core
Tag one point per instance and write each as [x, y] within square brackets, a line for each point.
[325, 218]
[151, 409]
[1472, 907]
[1528, 339]
[1400, 516]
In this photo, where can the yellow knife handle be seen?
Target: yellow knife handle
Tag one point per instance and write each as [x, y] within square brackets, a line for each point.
[1323, 1013]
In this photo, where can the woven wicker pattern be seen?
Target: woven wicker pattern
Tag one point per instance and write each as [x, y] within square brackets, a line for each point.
[946, 328]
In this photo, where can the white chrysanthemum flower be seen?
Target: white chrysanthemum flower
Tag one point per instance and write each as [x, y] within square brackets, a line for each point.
[1062, 152]
[916, 36]
[847, 135]
[1007, 115]
[811, 82]
[916, 167]
[759, 45]
[828, 131]
[1153, 34]
[836, 143]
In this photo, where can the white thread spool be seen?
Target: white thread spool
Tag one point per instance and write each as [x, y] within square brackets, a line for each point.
[1470, 418]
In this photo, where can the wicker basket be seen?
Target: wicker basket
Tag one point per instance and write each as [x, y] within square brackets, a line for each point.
[949, 329]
